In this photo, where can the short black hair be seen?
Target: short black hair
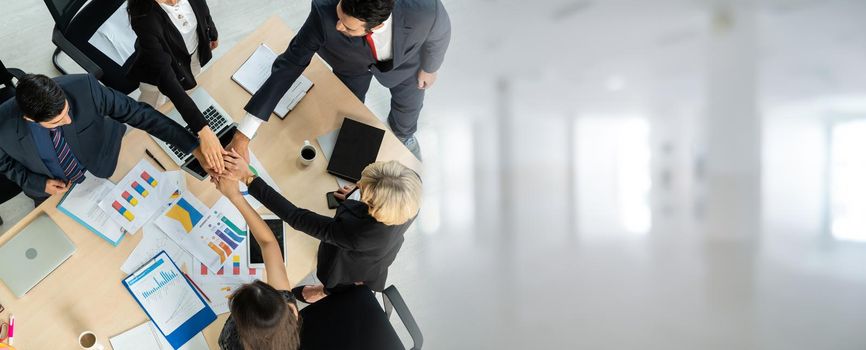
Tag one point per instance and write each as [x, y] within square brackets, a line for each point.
[373, 12]
[39, 97]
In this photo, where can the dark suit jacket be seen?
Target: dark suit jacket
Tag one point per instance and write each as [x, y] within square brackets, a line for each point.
[349, 320]
[94, 134]
[354, 246]
[421, 33]
[161, 58]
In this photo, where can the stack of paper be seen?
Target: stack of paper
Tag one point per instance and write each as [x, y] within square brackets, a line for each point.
[111, 211]
[81, 204]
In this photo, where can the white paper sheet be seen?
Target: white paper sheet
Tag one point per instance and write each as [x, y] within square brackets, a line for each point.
[115, 37]
[253, 73]
[146, 337]
[81, 203]
[236, 267]
[139, 196]
[327, 142]
[262, 172]
[219, 293]
[151, 244]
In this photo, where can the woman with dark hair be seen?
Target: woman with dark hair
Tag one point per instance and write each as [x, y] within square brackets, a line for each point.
[175, 39]
[263, 315]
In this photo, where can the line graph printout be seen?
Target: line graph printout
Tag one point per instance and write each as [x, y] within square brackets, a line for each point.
[164, 293]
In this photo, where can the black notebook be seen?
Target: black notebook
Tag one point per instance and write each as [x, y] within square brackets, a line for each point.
[357, 146]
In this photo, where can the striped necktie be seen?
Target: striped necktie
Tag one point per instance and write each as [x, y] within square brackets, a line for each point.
[71, 167]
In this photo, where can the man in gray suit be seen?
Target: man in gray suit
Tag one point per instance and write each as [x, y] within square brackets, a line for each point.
[400, 42]
[57, 129]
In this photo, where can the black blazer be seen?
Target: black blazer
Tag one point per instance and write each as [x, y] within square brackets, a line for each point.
[421, 33]
[94, 135]
[161, 57]
[354, 246]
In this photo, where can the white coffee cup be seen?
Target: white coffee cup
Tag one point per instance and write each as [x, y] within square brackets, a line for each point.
[308, 153]
[88, 341]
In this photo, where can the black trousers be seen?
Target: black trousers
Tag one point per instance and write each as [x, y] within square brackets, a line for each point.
[406, 102]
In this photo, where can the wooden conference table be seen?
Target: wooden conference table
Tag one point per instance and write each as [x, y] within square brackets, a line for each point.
[85, 292]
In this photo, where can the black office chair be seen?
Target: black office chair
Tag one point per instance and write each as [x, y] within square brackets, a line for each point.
[394, 301]
[8, 189]
[353, 319]
[75, 22]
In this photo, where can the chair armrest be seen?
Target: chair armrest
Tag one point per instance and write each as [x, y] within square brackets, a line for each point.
[79, 57]
[17, 73]
[393, 299]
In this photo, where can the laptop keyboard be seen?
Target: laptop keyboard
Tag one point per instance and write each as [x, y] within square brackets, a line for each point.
[215, 121]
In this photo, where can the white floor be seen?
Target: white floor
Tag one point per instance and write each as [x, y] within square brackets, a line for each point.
[615, 175]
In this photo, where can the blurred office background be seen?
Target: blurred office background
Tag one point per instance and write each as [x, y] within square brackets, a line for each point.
[611, 174]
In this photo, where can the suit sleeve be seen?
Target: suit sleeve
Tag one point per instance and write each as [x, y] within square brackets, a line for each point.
[117, 106]
[170, 87]
[323, 228]
[212, 32]
[166, 80]
[30, 182]
[433, 50]
[288, 66]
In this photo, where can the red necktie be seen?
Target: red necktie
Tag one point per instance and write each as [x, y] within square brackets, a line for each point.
[369, 38]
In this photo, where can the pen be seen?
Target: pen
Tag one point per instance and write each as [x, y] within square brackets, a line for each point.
[147, 151]
[196, 287]
[11, 328]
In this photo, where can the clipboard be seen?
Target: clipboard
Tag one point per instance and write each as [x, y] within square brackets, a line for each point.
[162, 280]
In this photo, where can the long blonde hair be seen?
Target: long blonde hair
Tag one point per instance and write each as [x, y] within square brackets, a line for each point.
[392, 191]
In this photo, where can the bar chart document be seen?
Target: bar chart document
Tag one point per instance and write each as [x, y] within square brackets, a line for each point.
[138, 197]
[170, 301]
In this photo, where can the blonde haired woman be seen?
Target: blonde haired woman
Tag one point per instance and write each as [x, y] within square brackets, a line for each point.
[361, 241]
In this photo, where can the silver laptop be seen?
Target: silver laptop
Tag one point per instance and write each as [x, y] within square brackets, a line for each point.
[32, 254]
[216, 118]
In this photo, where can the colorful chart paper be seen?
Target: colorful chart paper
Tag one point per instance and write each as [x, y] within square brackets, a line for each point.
[136, 199]
[150, 180]
[123, 211]
[205, 233]
[129, 198]
[185, 214]
[140, 189]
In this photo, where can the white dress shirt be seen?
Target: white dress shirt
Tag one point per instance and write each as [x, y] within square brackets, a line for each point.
[183, 18]
[382, 38]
